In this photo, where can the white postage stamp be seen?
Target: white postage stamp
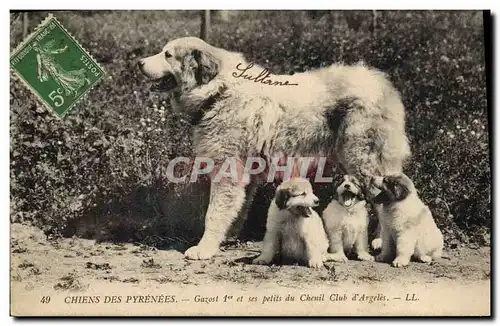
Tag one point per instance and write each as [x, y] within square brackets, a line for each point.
[250, 163]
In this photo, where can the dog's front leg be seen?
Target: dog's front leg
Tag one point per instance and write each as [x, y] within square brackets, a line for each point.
[336, 246]
[377, 241]
[361, 245]
[315, 256]
[270, 245]
[405, 247]
[226, 200]
[227, 196]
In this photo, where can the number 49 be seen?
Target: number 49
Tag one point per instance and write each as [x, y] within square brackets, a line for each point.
[45, 299]
[56, 97]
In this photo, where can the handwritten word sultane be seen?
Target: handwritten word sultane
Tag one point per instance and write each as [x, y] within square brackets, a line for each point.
[264, 77]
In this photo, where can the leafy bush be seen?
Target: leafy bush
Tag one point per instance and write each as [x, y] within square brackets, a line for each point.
[99, 172]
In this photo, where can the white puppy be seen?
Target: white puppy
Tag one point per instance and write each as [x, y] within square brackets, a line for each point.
[293, 228]
[346, 222]
[407, 226]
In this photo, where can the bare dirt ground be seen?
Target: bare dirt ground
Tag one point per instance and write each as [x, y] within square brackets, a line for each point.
[73, 263]
[79, 264]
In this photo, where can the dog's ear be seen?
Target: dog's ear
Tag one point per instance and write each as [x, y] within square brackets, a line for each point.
[400, 191]
[282, 196]
[207, 67]
[356, 182]
[382, 198]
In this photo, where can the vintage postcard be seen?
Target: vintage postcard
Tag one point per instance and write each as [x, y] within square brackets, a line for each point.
[250, 163]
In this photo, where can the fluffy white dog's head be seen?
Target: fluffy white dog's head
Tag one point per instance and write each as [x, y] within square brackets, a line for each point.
[296, 195]
[349, 192]
[191, 72]
[182, 65]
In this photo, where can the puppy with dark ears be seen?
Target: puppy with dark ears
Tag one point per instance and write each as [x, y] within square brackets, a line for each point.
[407, 226]
[293, 228]
[346, 222]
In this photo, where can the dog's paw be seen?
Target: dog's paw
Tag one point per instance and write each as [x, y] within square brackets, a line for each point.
[376, 243]
[262, 260]
[339, 257]
[200, 253]
[315, 263]
[425, 259]
[365, 256]
[400, 262]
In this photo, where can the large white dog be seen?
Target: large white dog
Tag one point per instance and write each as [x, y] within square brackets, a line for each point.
[349, 114]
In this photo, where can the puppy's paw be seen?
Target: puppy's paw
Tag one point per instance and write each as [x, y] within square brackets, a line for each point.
[400, 262]
[339, 257]
[425, 259]
[365, 256]
[315, 263]
[200, 253]
[262, 260]
[376, 243]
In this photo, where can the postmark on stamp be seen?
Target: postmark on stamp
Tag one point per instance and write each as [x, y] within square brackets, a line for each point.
[55, 67]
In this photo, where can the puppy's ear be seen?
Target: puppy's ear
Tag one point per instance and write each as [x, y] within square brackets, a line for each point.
[382, 198]
[356, 182]
[282, 196]
[207, 67]
[400, 191]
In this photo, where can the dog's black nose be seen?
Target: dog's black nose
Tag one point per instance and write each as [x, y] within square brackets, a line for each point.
[316, 202]
[140, 63]
[347, 187]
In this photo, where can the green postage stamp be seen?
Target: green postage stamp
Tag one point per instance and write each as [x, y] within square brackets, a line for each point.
[55, 67]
